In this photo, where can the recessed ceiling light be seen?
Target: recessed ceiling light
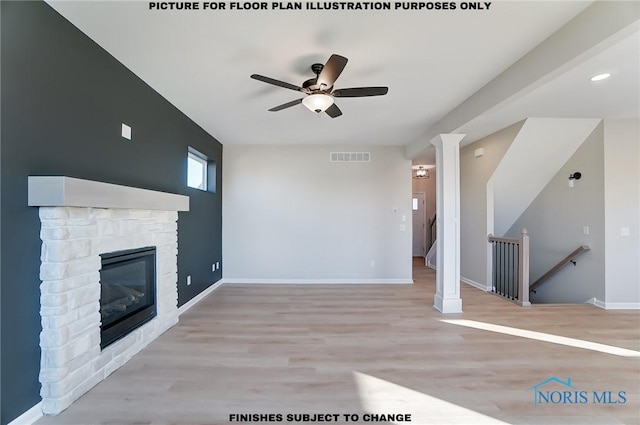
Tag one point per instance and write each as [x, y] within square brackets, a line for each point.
[600, 77]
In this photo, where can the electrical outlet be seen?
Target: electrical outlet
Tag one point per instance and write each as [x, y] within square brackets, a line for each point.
[213, 267]
[188, 280]
[585, 230]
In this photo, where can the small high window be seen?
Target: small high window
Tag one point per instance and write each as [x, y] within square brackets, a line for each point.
[197, 166]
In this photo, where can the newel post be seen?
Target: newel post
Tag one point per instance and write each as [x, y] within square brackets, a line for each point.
[523, 259]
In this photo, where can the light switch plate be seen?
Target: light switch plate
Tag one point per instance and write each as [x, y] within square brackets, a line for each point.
[126, 131]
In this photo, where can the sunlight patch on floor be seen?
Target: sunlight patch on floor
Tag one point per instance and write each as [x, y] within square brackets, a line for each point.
[378, 396]
[541, 336]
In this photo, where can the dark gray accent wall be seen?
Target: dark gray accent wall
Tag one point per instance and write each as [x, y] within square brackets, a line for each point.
[63, 101]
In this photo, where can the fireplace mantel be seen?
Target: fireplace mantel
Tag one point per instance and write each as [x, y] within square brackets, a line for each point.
[81, 220]
[62, 191]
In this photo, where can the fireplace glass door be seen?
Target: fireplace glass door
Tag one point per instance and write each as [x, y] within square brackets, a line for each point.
[127, 292]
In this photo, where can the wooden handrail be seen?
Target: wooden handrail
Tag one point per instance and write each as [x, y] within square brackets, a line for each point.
[492, 238]
[558, 266]
[432, 232]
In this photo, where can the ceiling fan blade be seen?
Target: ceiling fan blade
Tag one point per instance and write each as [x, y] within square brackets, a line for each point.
[333, 111]
[331, 71]
[286, 105]
[361, 92]
[276, 82]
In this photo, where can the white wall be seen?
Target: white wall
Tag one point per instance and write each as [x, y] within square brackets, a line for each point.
[622, 210]
[474, 176]
[291, 215]
[555, 223]
[541, 147]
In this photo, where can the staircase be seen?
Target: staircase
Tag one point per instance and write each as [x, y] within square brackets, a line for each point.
[430, 259]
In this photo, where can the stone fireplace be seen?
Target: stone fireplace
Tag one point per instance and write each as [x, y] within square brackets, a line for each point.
[80, 221]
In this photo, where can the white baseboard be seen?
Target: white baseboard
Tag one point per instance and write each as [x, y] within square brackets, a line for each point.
[193, 301]
[28, 417]
[474, 284]
[319, 281]
[613, 306]
[622, 306]
[216, 285]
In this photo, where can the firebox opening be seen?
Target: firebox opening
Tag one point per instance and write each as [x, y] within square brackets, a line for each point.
[127, 292]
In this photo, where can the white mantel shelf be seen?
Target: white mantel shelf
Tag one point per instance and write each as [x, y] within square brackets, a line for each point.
[62, 191]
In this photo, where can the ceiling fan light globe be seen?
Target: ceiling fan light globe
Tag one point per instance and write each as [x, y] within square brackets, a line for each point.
[317, 102]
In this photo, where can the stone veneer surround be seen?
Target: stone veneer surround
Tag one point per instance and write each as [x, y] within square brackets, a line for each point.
[74, 232]
[72, 239]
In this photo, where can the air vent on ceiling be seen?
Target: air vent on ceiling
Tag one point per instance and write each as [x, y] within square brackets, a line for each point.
[350, 157]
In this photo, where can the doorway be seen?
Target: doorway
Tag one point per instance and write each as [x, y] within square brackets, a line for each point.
[419, 211]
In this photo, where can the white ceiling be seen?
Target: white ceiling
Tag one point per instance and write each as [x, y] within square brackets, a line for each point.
[430, 60]
[573, 95]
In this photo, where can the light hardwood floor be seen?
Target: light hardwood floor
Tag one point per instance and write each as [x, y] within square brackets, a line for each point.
[358, 349]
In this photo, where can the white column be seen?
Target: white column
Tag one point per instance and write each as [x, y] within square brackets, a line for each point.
[447, 298]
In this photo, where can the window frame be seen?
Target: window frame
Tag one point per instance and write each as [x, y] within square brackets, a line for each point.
[204, 163]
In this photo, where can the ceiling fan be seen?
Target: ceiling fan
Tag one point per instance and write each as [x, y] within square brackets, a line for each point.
[319, 90]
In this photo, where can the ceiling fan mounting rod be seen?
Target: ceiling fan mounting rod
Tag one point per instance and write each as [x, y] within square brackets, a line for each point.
[311, 86]
[317, 68]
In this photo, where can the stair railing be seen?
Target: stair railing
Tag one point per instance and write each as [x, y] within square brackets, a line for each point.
[566, 260]
[432, 231]
[510, 267]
